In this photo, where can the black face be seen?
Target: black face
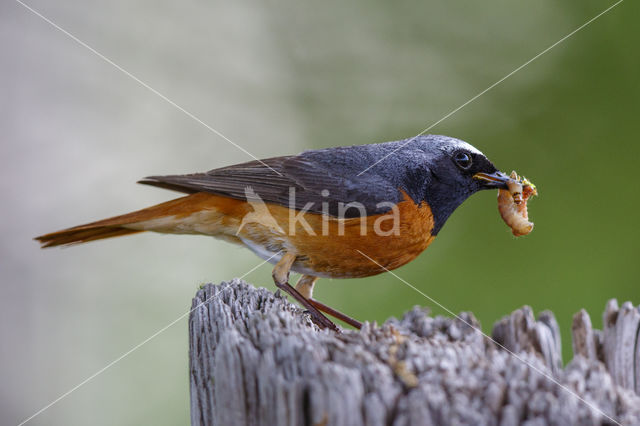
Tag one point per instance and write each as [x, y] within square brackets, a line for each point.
[457, 173]
[479, 169]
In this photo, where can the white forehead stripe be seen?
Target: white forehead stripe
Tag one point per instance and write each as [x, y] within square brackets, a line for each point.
[455, 144]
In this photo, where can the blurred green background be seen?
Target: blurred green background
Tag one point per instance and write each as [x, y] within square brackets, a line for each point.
[278, 77]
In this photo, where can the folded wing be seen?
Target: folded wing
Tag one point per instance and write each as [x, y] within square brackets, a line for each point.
[297, 182]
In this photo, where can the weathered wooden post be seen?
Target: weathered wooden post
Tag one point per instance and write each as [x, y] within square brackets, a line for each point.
[256, 359]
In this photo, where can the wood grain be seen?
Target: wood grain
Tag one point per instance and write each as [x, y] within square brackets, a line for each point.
[256, 359]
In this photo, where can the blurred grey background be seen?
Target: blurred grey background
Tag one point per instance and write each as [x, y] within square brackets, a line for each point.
[278, 77]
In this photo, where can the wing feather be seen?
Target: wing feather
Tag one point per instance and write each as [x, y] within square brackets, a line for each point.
[303, 174]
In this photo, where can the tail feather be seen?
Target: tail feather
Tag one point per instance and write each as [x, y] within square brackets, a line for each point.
[117, 226]
[82, 235]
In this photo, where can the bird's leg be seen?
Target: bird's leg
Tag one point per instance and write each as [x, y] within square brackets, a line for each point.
[336, 314]
[281, 279]
[305, 285]
[305, 288]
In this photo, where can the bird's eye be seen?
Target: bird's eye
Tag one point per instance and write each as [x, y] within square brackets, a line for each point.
[463, 160]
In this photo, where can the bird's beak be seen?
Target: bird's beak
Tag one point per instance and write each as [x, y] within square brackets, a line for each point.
[493, 180]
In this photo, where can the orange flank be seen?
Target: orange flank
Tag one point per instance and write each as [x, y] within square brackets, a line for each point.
[324, 245]
[335, 254]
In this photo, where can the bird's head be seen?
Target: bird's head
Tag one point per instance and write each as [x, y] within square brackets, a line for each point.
[448, 172]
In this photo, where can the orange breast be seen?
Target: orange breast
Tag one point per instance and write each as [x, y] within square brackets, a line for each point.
[331, 247]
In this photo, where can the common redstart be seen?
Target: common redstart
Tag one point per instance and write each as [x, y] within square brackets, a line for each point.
[340, 212]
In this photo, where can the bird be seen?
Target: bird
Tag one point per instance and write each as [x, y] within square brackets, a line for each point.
[339, 212]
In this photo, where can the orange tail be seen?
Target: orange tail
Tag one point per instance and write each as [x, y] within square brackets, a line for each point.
[116, 226]
[82, 234]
